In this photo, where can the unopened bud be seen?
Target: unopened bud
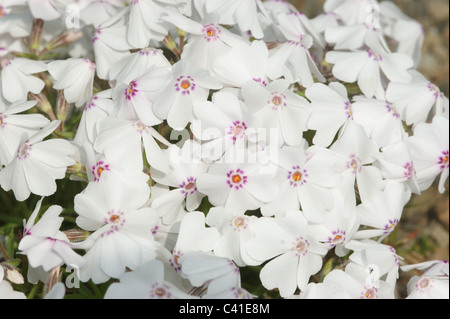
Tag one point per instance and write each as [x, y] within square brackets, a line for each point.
[76, 235]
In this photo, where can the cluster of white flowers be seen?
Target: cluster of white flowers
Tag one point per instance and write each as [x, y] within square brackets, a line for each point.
[302, 140]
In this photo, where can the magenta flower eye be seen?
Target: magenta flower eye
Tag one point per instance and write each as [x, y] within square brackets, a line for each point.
[211, 32]
[185, 84]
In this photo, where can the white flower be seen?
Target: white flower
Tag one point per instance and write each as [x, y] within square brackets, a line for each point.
[217, 273]
[122, 229]
[183, 172]
[365, 68]
[408, 34]
[416, 99]
[379, 260]
[17, 79]
[352, 12]
[97, 108]
[133, 100]
[330, 110]
[355, 152]
[278, 108]
[37, 164]
[193, 236]
[145, 282]
[396, 163]
[245, 62]
[304, 182]
[238, 186]
[97, 12]
[339, 225]
[46, 9]
[118, 137]
[222, 125]
[380, 119]
[110, 46]
[187, 87]
[355, 283]
[144, 21]
[75, 77]
[136, 64]
[44, 244]
[13, 125]
[382, 210]
[235, 233]
[207, 40]
[429, 149]
[241, 12]
[432, 284]
[296, 255]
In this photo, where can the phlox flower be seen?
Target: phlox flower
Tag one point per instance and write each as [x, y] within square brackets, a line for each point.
[13, 125]
[241, 12]
[415, 100]
[238, 186]
[429, 150]
[292, 59]
[339, 225]
[17, 79]
[396, 163]
[351, 12]
[188, 86]
[278, 108]
[245, 62]
[378, 259]
[407, 33]
[304, 181]
[136, 64]
[220, 275]
[432, 284]
[37, 164]
[75, 77]
[119, 137]
[44, 244]
[355, 282]
[222, 124]
[98, 11]
[382, 210]
[182, 176]
[366, 67]
[193, 236]
[98, 107]
[133, 101]
[207, 39]
[99, 167]
[356, 152]
[380, 119]
[144, 21]
[294, 254]
[145, 282]
[110, 45]
[330, 109]
[355, 37]
[121, 228]
[235, 233]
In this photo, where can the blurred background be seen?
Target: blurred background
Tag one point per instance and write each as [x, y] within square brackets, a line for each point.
[423, 231]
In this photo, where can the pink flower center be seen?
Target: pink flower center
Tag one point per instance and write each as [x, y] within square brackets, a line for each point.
[236, 179]
[211, 32]
[131, 90]
[185, 84]
[98, 169]
[24, 150]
